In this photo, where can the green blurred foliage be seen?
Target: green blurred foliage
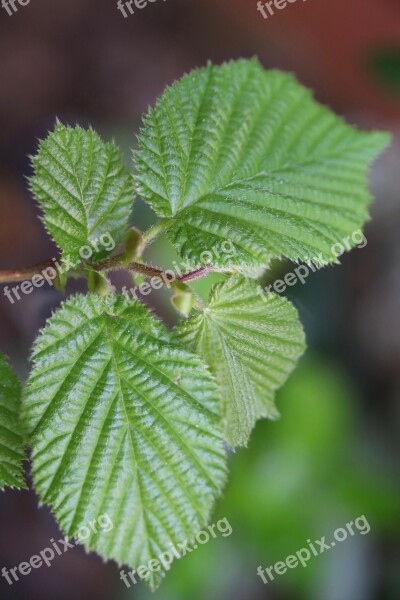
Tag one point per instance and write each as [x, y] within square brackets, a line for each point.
[300, 478]
[384, 66]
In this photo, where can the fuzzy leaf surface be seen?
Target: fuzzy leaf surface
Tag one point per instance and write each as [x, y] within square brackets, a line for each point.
[237, 153]
[83, 189]
[251, 342]
[125, 423]
[11, 440]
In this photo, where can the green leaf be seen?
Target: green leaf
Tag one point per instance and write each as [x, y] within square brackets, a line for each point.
[237, 153]
[11, 441]
[126, 423]
[251, 342]
[84, 190]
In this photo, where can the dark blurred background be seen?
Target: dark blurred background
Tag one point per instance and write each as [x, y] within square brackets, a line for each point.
[334, 454]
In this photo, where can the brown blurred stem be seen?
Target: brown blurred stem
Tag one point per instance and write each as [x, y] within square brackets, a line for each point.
[109, 264]
[13, 275]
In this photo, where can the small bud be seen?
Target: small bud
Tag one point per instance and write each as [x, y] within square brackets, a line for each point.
[98, 284]
[133, 245]
[60, 282]
[183, 303]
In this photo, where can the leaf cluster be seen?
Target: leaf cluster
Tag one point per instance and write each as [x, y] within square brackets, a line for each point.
[124, 417]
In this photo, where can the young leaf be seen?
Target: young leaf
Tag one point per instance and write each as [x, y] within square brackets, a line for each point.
[237, 153]
[84, 190]
[251, 342]
[126, 423]
[11, 441]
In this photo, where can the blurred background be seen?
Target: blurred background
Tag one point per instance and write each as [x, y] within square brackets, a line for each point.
[334, 454]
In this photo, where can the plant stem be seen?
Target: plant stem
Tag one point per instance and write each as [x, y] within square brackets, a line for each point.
[13, 275]
[117, 262]
[109, 264]
[113, 263]
[197, 274]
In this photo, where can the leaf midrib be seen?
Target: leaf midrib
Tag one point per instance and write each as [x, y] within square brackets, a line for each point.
[316, 161]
